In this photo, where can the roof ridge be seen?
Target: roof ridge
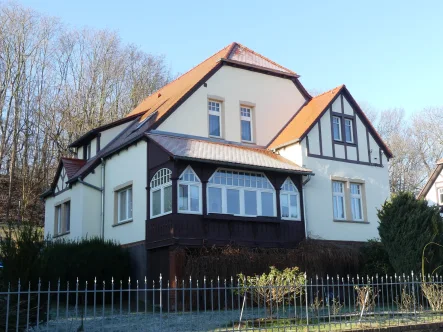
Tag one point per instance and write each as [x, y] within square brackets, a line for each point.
[176, 79]
[265, 58]
[337, 87]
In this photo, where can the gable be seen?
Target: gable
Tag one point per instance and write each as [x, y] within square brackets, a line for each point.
[61, 181]
[315, 120]
[273, 100]
[436, 177]
[356, 145]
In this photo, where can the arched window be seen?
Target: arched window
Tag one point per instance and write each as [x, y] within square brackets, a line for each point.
[161, 193]
[241, 193]
[289, 201]
[189, 192]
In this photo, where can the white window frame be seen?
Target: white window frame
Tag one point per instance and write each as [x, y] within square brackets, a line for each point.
[359, 197]
[243, 110]
[190, 183]
[288, 193]
[334, 118]
[61, 218]
[215, 113]
[351, 125]
[128, 206]
[439, 193]
[241, 189]
[338, 194]
[162, 173]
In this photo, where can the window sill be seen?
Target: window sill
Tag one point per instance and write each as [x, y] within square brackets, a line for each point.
[291, 219]
[123, 222]
[223, 216]
[189, 212]
[351, 221]
[61, 234]
[160, 215]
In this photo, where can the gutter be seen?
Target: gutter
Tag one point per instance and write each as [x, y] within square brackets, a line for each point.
[304, 204]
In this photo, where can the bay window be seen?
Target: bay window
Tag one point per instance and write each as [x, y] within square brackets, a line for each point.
[289, 201]
[189, 192]
[240, 193]
[161, 193]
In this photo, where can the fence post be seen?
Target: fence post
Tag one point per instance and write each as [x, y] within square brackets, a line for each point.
[306, 299]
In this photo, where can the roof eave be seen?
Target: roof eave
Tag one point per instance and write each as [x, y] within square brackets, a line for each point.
[262, 168]
[94, 132]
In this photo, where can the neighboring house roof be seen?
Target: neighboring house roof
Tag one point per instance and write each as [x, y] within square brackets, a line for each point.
[303, 121]
[172, 95]
[434, 175]
[223, 153]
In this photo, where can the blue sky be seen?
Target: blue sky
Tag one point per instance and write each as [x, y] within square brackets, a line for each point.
[388, 53]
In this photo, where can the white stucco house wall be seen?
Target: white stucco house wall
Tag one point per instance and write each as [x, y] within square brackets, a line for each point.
[233, 151]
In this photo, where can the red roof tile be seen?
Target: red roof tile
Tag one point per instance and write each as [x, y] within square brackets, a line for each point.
[72, 165]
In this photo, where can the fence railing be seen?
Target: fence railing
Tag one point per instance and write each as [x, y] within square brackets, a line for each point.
[316, 304]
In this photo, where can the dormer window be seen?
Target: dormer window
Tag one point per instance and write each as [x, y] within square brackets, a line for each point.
[214, 110]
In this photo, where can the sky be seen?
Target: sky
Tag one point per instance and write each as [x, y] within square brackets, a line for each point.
[388, 53]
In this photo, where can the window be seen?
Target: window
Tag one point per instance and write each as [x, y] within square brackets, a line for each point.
[246, 124]
[124, 204]
[214, 109]
[289, 201]
[240, 193]
[88, 151]
[161, 193]
[356, 202]
[336, 127]
[62, 222]
[189, 192]
[349, 133]
[440, 196]
[338, 198]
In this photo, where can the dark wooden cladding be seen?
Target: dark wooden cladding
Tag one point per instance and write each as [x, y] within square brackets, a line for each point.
[198, 230]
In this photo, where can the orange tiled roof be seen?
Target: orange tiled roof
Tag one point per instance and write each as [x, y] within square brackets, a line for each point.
[301, 123]
[168, 96]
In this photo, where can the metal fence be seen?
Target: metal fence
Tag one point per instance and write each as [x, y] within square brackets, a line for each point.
[315, 304]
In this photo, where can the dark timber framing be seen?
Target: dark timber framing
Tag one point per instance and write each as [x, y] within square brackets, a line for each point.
[342, 116]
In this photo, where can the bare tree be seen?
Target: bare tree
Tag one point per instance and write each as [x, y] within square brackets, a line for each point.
[56, 84]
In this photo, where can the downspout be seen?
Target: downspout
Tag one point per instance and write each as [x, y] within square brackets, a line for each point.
[103, 198]
[304, 204]
[102, 191]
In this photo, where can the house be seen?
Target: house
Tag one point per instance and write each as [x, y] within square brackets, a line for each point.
[433, 189]
[235, 151]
